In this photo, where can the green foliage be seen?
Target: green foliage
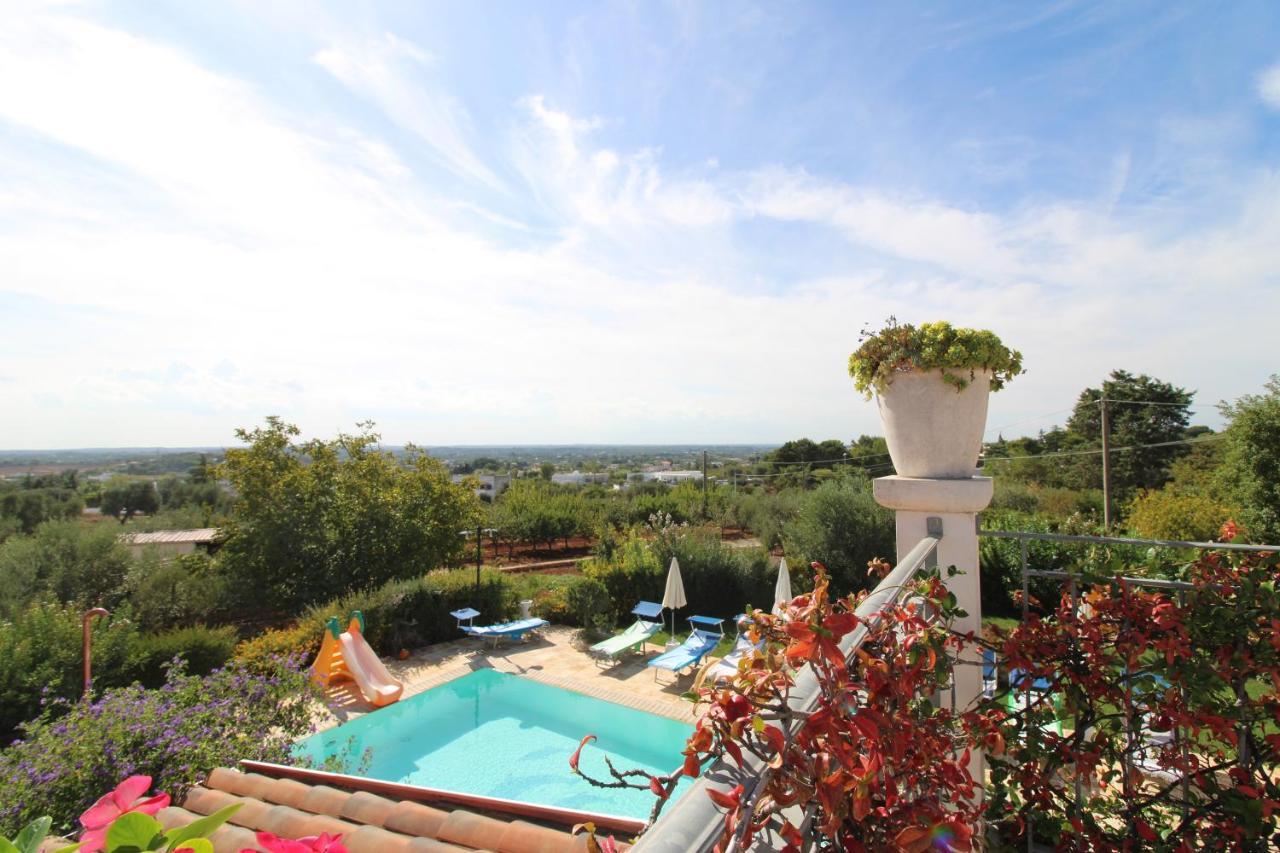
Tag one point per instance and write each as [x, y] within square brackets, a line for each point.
[535, 511]
[175, 735]
[123, 498]
[40, 657]
[1167, 514]
[173, 591]
[841, 526]
[825, 454]
[399, 614]
[1250, 473]
[766, 514]
[588, 601]
[28, 508]
[319, 518]
[718, 581]
[1133, 421]
[203, 649]
[66, 560]
[958, 353]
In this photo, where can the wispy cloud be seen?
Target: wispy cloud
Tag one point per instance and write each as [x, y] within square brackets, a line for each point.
[184, 251]
[395, 74]
[1269, 86]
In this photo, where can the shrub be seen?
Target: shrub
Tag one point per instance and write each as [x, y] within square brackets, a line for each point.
[958, 353]
[301, 640]
[841, 526]
[176, 734]
[1166, 514]
[40, 659]
[398, 615]
[174, 591]
[588, 603]
[203, 649]
[65, 560]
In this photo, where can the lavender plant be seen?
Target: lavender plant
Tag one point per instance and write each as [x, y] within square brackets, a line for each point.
[175, 734]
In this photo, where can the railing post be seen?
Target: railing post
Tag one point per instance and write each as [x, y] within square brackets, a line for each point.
[916, 503]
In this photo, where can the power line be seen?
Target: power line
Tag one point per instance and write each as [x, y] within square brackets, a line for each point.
[1202, 440]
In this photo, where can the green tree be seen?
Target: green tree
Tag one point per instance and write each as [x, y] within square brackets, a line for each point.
[841, 526]
[67, 560]
[319, 518]
[123, 499]
[31, 507]
[1250, 471]
[1141, 411]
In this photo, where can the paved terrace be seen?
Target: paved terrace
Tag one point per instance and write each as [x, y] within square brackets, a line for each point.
[556, 656]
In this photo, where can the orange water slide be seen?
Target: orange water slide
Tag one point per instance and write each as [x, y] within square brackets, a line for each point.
[347, 656]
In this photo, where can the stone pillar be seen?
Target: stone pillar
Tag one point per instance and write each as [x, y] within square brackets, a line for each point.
[957, 503]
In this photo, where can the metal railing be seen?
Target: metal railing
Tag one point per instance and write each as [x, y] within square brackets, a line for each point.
[1178, 588]
[693, 824]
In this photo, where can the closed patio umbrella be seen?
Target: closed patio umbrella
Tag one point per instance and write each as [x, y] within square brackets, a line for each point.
[782, 591]
[673, 595]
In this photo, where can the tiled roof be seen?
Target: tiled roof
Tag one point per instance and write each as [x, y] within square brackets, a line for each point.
[367, 823]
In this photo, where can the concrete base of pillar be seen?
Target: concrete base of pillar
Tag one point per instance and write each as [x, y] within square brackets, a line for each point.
[957, 503]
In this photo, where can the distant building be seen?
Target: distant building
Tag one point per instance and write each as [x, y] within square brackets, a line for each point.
[579, 478]
[488, 486]
[668, 477]
[171, 543]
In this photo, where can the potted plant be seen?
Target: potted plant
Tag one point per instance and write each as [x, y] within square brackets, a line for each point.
[931, 384]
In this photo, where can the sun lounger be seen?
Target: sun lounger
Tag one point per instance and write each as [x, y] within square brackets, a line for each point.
[691, 652]
[501, 631]
[727, 667]
[635, 635]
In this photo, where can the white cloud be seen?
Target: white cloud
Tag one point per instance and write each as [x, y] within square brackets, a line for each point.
[184, 219]
[392, 73]
[1269, 86]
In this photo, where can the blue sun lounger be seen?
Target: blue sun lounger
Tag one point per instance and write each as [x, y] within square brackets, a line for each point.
[498, 632]
[728, 665]
[691, 652]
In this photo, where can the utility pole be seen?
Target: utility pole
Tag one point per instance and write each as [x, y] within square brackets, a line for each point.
[479, 556]
[1106, 466]
[704, 485]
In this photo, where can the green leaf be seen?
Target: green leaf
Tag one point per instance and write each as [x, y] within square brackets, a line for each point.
[134, 832]
[28, 841]
[201, 828]
[6, 846]
[70, 848]
[198, 845]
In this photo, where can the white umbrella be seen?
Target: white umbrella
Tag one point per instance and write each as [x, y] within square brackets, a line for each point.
[673, 595]
[782, 592]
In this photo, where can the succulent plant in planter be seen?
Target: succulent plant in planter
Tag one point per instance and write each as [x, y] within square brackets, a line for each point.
[931, 384]
[960, 354]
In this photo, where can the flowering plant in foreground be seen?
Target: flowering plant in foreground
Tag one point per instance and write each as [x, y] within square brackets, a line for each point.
[1167, 710]
[122, 821]
[174, 734]
[882, 767]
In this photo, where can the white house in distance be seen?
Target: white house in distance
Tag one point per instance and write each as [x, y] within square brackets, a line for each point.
[171, 543]
[578, 478]
[488, 486]
[668, 477]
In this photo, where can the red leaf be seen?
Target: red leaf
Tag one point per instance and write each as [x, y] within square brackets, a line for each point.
[573, 759]
[726, 801]
[914, 839]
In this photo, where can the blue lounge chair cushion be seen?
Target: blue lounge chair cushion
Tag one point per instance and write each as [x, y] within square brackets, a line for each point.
[690, 652]
[505, 629]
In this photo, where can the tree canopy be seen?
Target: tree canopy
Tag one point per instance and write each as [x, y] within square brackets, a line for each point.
[315, 519]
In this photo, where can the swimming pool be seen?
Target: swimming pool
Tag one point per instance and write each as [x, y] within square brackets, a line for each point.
[499, 735]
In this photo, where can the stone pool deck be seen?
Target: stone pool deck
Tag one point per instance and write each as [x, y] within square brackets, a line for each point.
[556, 656]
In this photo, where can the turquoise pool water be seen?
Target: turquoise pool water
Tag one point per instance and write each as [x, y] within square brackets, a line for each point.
[500, 735]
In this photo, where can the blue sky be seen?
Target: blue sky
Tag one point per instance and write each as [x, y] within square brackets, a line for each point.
[614, 222]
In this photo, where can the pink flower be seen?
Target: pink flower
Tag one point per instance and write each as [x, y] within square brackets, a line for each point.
[122, 800]
[324, 843]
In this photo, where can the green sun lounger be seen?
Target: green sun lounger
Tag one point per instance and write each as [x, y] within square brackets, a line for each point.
[635, 635]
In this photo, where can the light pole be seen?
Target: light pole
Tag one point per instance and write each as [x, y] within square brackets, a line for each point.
[85, 649]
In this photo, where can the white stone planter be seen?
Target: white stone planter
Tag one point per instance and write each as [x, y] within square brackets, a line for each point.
[934, 431]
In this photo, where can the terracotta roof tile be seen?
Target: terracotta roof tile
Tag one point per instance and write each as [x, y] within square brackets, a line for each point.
[367, 823]
[325, 800]
[415, 819]
[523, 837]
[472, 830]
[363, 807]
